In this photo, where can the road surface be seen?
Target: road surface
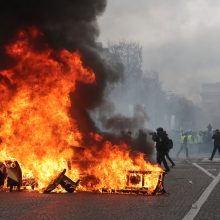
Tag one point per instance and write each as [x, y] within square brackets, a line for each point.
[193, 193]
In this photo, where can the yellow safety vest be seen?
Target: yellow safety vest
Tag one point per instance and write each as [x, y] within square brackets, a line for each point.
[182, 139]
[190, 139]
[199, 139]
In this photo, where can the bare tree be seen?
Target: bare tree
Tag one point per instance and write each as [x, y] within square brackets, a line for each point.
[141, 89]
[130, 55]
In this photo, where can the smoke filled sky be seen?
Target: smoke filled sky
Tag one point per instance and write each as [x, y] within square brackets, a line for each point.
[180, 39]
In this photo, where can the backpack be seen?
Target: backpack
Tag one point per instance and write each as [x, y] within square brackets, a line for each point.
[170, 143]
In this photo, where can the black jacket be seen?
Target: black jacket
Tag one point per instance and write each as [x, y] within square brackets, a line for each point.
[216, 138]
[162, 142]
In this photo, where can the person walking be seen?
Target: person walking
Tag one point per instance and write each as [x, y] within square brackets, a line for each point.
[183, 146]
[161, 146]
[216, 137]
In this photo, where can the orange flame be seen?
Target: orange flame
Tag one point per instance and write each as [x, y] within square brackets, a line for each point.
[37, 129]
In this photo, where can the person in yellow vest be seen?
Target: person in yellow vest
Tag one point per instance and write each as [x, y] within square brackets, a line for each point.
[183, 144]
[199, 138]
[190, 138]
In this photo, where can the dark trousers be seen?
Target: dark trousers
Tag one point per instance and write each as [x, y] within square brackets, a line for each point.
[168, 157]
[214, 151]
[183, 147]
[161, 158]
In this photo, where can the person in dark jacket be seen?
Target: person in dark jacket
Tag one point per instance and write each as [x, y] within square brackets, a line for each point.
[216, 137]
[161, 140]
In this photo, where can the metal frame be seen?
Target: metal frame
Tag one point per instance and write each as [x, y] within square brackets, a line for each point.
[141, 188]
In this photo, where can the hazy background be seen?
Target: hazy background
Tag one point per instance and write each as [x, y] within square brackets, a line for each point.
[179, 39]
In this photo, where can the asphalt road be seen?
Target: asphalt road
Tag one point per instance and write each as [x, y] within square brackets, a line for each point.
[185, 184]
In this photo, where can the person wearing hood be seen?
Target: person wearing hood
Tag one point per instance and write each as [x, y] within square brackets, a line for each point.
[161, 140]
[216, 137]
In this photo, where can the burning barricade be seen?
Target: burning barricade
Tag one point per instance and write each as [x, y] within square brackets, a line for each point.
[141, 182]
[138, 183]
[11, 171]
[145, 182]
[42, 117]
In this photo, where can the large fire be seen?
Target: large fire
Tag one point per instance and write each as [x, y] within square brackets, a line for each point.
[37, 129]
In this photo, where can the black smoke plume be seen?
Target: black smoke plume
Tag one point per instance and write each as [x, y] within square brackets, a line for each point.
[66, 23]
[120, 122]
[70, 24]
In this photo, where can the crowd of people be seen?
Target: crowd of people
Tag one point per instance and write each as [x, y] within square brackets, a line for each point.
[186, 139]
[186, 142]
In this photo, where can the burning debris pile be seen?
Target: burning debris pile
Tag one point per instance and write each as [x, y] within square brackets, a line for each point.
[65, 182]
[44, 124]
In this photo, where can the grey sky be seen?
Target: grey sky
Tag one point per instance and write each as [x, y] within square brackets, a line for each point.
[180, 38]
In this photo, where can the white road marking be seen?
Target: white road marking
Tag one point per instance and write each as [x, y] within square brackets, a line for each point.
[211, 169]
[198, 204]
[204, 170]
[217, 160]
